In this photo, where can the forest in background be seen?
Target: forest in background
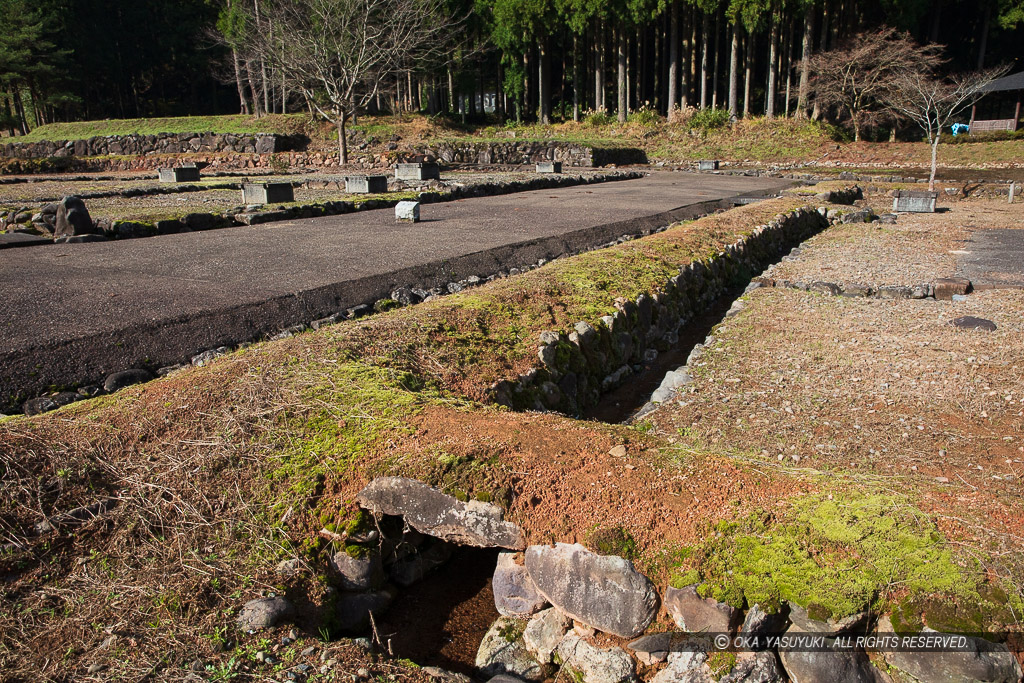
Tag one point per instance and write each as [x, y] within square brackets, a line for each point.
[63, 60]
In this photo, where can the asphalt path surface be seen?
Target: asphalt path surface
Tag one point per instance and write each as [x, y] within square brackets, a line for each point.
[71, 313]
[994, 258]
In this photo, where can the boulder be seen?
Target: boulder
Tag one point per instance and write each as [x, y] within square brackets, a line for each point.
[502, 652]
[264, 613]
[434, 513]
[945, 287]
[544, 632]
[37, 406]
[969, 322]
[695, 614]
[755, 667]
[603, 591]
[515, 595]
[352, 610]
[835, 666]
[594, 664]
[830, 627]
[72, 219]
[125, 378]
[685, 666]
[360, 572]
[979, 661]
[758, 623]
[653, 648]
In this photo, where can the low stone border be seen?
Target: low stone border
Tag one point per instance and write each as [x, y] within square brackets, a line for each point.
[554, 598]
[859, 178]
[163, 143]
[131, 229]
[578, 366]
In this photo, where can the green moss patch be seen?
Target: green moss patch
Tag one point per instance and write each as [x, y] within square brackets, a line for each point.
[346, 409]
[834, 556]
[613, 541]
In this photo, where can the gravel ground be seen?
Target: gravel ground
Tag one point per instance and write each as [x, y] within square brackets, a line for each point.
[918, 248]
[875, 390]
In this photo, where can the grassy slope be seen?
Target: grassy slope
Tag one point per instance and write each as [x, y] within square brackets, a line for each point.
[208, 463]
[754, 140]
[81, 130]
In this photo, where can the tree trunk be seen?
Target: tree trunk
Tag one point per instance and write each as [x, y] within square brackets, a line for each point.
[629, 76]
[256, 109]
[734, 58]
[620, 36]
[933, 31]
[822, 47]
[451, 92]
[673, 57]
[598, 66]
[748, 73]
[705, 31]
[986, 19]
[806, 48]
[243, 103]
[787, 57]
[265, 85]
[544, 81]
[575, 78]
[773, 49]
[935, 162]
[685, 81]
[342, 140]
[714, 68]
[499, 93]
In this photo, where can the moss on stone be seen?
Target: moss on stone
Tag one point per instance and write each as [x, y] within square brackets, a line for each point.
[833, 555]
[721, 663]
[613, 541]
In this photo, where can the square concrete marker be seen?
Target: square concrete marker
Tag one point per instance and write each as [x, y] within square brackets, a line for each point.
[914, 201]
[366, 184]
[407, 212]
[549, 167]
[181, 174]
[946, 287]
[707, 165]
[267, 193]
[417, 172]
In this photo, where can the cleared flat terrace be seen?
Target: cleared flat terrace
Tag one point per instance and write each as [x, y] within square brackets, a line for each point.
[75, 312]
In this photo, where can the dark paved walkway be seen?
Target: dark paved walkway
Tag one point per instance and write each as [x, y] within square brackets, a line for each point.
[995, 258]
[75, 312]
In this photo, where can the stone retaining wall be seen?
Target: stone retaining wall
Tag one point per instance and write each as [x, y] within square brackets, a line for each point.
[529, 152]
[553, 598]
[578, 366]
[163, 143]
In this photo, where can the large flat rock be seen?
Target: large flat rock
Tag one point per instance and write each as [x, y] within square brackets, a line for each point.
[602, 591]
[437, 514]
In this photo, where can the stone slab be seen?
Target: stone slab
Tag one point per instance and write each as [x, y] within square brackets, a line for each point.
[424, 171]
[914, 201]
[267, 193]
[179, 174]
[366, 184]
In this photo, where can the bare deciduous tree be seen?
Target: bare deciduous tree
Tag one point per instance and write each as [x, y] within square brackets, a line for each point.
[933, 103]
[858, 77]
[338, 53]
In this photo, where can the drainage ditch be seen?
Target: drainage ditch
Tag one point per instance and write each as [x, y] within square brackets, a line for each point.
[441, 620]
[622, 403]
